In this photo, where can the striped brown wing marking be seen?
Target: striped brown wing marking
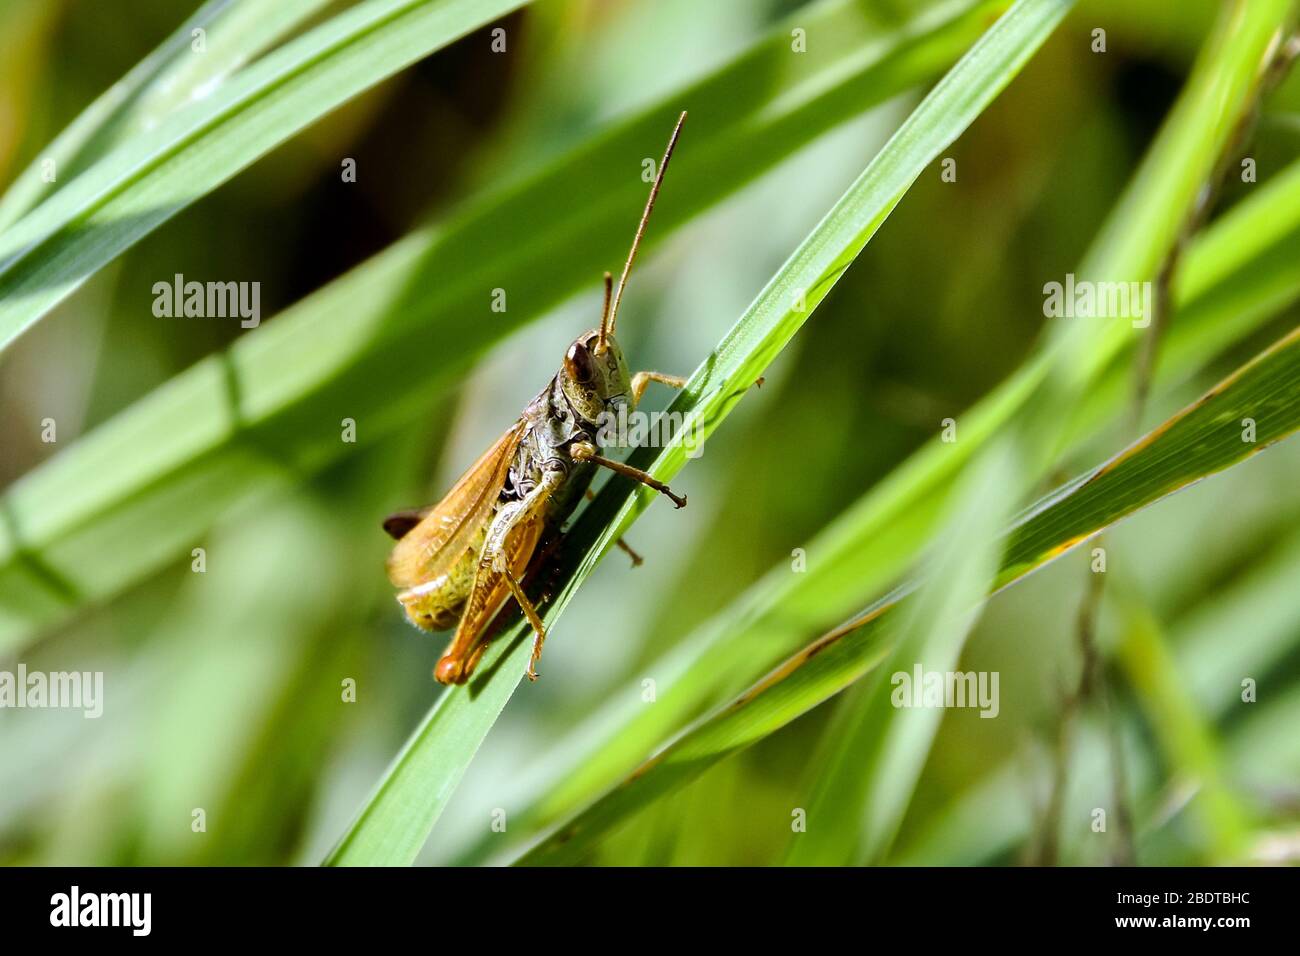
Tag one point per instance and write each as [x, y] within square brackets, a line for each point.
[434, 545]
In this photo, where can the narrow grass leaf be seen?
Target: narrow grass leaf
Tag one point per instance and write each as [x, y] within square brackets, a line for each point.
[1188, 744]
[874, 749]
[875, 754]
[989, 817]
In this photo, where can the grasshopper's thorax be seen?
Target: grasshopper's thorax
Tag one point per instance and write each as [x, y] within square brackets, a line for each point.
[591, 384]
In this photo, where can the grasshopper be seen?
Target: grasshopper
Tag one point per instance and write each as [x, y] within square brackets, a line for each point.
[459, 561]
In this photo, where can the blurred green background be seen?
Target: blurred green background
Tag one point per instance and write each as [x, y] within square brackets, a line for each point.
[223, 688]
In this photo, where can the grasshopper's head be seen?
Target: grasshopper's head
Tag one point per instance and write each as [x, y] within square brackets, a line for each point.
[594, 375]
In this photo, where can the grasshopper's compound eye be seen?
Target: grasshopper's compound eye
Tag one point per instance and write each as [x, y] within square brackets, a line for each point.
[579, 364]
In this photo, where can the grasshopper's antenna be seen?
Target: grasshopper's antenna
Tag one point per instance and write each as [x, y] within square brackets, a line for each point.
[604, 310]
[611, 316]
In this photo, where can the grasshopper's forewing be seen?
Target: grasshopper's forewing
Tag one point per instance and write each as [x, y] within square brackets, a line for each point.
[434, 545]
[487, 597]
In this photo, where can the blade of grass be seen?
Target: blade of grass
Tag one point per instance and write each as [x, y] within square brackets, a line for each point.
[379, 344]
[1203, 439]
[237, 31]
[1237, 274]
[149, 178]
[394, 823]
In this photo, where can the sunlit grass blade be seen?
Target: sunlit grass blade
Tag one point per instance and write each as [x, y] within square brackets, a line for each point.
[396, 820]
[235, 32]
[230, 429]
[771, 617]
[150, 177]
[1205, 438]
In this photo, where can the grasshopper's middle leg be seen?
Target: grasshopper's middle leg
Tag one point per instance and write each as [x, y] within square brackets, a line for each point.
[641, 381]
[623, 545]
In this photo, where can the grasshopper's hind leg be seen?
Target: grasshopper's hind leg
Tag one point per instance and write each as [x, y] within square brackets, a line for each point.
[530, 612]
[498, 559]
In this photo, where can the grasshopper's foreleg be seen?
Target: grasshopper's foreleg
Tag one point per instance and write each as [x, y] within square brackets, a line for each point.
[641, 381]
[585, 451]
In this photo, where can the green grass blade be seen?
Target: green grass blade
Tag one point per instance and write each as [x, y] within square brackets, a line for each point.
[237, 31]
[1203, 439]
[229, 430]
[149, 178]
[1235, 275]
[395, 821]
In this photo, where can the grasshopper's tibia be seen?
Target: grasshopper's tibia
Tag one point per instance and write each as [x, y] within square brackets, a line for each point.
[585, 451]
